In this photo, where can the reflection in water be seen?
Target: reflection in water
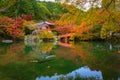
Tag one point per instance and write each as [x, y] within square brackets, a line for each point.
[102, 59]
[83, 72]
[41, 47]
[110, 47]
[118, 78]
[41, 50]
[65, 44]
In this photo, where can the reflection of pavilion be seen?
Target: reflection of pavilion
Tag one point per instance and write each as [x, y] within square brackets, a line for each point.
[83, 72]
[41, 50]
[39, 46]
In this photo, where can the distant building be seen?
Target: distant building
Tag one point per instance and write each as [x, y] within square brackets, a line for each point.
[42, 26]
[46, 25]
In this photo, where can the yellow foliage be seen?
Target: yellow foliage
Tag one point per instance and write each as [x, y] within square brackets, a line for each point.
[28, 23]
[46, 34]
[107, 29]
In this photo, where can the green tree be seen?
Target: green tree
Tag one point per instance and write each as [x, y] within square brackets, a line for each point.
[21, 7]
[5, 4]
[55, 11]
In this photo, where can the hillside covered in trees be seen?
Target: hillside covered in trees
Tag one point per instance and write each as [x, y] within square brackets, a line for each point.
[100, 21]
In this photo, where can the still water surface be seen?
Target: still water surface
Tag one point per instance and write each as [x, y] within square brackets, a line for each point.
[50, 61]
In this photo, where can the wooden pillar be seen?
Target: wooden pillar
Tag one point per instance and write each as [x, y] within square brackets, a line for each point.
[66, 39]
[59, 38]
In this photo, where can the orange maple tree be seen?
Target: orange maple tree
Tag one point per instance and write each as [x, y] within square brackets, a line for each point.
[82, 31]
[11, 27]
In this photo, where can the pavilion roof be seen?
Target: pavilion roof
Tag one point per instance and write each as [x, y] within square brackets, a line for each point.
[41, 24]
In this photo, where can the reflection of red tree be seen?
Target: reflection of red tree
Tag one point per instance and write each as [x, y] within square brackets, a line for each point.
[14, 54]
[15, 48]
[65, 44]
[65, 52]
[78, 50]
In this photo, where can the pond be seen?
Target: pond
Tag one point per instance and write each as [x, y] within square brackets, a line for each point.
[60, 61]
